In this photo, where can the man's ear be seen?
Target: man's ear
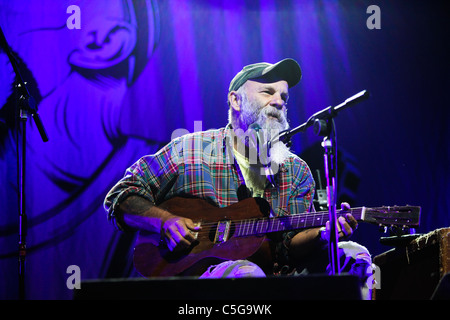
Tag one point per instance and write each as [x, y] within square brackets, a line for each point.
[234, 100]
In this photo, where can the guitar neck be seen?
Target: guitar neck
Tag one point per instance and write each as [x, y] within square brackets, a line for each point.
[259, 226]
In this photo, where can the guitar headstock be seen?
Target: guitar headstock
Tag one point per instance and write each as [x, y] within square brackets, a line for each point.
[407, 216]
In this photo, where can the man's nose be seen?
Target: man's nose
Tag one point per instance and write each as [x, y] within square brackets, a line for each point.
[277, 101]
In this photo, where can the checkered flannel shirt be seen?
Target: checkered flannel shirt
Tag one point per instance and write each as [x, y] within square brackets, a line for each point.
[202, 164]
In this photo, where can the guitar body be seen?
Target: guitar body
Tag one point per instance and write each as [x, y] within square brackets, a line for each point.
[152, 259]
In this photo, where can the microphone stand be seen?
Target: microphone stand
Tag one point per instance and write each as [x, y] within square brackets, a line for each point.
[27, 106]
[323, 122]
[327, 129]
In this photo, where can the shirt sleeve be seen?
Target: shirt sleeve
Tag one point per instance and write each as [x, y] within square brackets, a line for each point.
[149, 178]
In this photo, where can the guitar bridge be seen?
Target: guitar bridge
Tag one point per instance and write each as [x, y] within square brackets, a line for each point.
[222, 231]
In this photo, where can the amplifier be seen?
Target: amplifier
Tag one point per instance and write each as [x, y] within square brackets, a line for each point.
[414, 270]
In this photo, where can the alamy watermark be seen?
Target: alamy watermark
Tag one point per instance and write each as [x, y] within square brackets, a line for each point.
[74, 20]
[74, 280]
[375, 277]
[374, 20]
[261, 146]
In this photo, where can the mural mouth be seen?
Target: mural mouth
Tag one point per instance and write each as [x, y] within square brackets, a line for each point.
[106, 47]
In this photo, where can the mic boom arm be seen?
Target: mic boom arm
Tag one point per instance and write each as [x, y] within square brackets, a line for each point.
[327, 113]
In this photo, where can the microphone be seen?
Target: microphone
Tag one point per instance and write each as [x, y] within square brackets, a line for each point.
[255, 135]
[27, 101]
[325, 114]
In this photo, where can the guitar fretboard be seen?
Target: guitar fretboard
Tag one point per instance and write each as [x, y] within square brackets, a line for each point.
[250, 227]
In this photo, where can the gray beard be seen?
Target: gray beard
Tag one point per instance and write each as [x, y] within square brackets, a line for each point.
[271, 122]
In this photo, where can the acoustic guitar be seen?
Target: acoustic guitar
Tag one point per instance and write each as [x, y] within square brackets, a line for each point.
[240, 231]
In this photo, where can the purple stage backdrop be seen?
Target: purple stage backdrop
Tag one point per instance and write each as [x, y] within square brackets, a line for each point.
[114, 79]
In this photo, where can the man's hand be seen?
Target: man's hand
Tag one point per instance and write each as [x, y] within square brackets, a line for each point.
[345, 225]
[140, 214]
[178, 232]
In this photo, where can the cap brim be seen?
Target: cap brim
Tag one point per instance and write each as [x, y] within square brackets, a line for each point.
[287, 69]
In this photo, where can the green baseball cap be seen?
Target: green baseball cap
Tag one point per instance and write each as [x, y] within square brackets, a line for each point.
[286, 69]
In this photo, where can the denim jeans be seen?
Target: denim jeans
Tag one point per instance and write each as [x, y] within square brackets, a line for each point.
[354, 259]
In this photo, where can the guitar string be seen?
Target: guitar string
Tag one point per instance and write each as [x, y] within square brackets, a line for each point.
[252, 223]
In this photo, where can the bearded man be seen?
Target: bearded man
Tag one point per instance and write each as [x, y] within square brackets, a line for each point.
[227, 165]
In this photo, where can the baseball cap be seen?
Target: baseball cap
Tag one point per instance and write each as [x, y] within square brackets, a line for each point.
[286, 69]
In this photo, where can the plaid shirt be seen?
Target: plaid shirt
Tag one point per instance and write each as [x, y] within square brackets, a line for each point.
[202, 164]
